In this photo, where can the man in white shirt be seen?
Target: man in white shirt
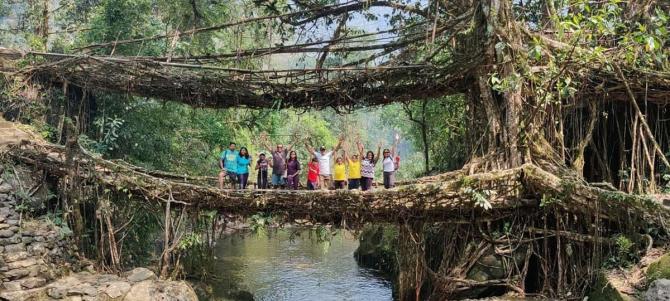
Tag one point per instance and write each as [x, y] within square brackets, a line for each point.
[324, 161]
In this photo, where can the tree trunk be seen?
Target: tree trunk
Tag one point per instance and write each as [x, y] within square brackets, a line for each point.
[424, 136]
[426, 150]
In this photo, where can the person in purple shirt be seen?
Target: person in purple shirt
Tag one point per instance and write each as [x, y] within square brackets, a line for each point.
[292, 171]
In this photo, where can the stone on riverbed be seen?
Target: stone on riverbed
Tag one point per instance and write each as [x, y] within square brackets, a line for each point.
[659, 290]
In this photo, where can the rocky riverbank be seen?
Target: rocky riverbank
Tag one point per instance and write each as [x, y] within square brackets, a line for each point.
[139, 284]
[37, 262]
[31, 251]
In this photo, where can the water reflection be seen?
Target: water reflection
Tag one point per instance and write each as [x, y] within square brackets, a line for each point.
[282, 266]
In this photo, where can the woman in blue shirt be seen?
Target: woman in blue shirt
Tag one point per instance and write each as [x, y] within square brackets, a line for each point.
[243, 163]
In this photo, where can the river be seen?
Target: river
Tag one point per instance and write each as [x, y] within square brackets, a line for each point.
[292, 265]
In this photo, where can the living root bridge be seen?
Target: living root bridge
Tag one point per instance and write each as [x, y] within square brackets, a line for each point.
[219, 87]
[438, 198]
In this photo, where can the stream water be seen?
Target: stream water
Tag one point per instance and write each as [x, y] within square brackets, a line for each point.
[292, 265]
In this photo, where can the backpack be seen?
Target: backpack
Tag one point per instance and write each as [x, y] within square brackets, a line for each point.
[396, 162]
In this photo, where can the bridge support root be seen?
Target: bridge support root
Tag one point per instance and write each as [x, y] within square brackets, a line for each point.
[546, 251]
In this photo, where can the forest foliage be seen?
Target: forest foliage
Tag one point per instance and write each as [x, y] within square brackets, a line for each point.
[174, 137]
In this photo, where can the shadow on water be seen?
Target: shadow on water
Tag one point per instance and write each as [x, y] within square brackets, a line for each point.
[291, 265]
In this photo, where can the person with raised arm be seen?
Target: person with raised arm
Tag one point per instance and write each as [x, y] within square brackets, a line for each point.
[389, 164]
[354, 164]
[279, 157]
[324, 158]
[368, 165]
[340, 173]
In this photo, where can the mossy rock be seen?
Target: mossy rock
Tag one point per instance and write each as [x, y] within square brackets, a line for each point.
[603, 290]
[659, 269]
[376, 249]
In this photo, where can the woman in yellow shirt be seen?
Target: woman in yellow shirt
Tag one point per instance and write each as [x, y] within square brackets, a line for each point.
[340, 174]
[354, 170]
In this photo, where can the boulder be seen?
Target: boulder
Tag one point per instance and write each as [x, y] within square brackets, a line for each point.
[15, 248]
[12, 286]
[57, 292]
[84, 289]
[115, 289]
[161, 290]
[58, 289]
[6, 233]
[5, 187]
[11, 240]
[140, 274]
[25, 295]
[377, 247]
[659, 290]
[603, 290]
[11, 257]
[17, 273]
[24, 263]
[33, 282]
[659, 269]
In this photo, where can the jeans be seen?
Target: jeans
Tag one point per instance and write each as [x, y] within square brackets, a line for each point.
[244, 178]
[354, 183]
[311, 185]
[262, 179]
[277, 180]
[389, 179]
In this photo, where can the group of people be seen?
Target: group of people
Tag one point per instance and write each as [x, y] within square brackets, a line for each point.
[352, 171]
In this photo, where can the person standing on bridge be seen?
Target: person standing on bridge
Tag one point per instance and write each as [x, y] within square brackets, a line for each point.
[279, 156]
[262, 167]
[243, 163]
[324, 161]
[228, 164]
[340, 173]
[292, 171]
[313, 174]
[368, 166]
[389, 164]
[354, 164]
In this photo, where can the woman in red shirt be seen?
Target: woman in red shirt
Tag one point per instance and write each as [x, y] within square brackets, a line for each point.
[313, 174]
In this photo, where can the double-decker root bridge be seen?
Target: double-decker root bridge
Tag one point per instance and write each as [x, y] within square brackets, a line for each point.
[525, 220]
[547, 113]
